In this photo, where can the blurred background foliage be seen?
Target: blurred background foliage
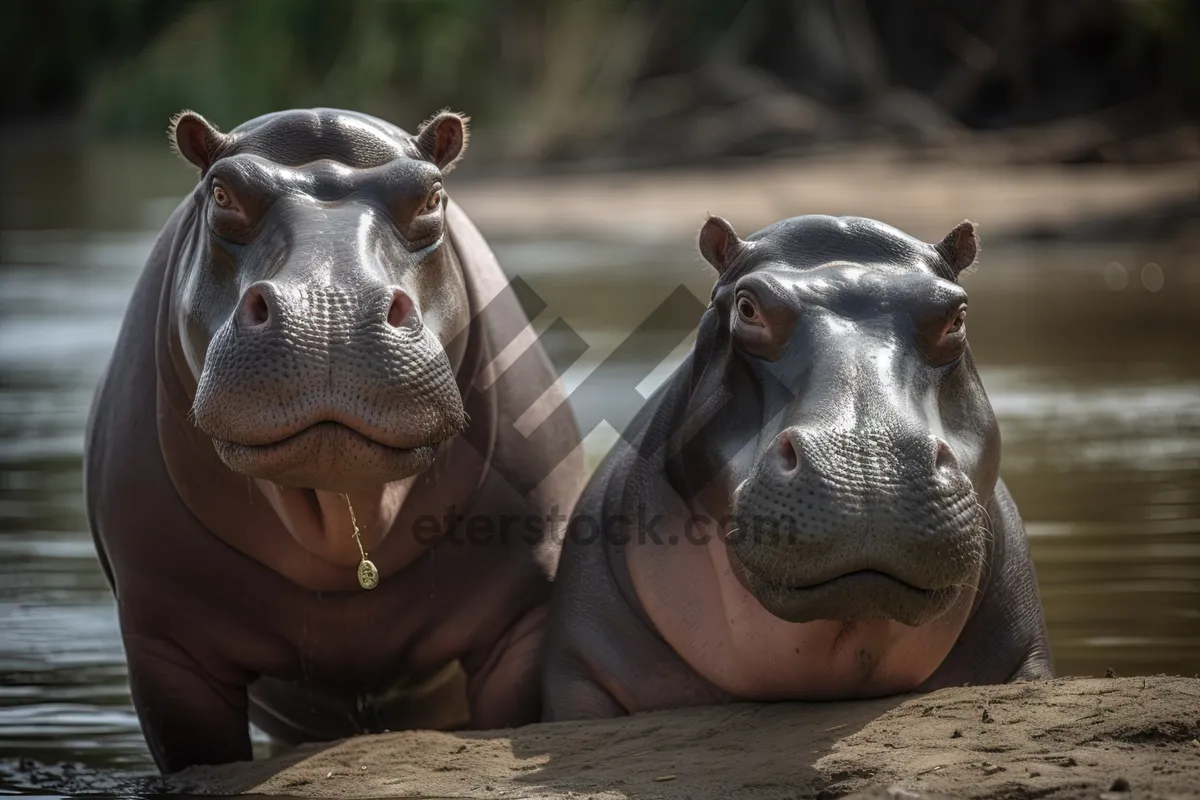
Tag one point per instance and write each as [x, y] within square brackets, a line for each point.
[624, 80]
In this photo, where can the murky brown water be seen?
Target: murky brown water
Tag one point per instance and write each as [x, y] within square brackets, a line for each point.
[1091, 359]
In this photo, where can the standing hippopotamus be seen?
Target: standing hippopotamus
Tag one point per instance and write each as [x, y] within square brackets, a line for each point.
[817, 495]
[301, 411]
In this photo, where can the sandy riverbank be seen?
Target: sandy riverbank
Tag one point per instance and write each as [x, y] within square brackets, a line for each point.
[1057, 739]
[923, 198]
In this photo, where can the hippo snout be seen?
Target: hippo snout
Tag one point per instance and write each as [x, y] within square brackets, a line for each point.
[855, 525]
[327, 387]
[261, 306]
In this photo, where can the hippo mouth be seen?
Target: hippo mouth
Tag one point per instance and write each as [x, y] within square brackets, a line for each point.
[326, 455]
[897, 593]
[852, 596]
[859, 579]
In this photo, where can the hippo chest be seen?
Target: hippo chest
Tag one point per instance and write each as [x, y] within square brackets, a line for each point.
[352, 663]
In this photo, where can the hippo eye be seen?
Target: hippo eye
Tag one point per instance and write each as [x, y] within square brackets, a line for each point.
[220, 196]
[958, 322]
[747, 310]
[435, 198]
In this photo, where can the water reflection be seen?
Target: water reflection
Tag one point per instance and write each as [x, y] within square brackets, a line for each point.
[1097, 387]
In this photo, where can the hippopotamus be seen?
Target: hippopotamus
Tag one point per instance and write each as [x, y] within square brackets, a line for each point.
[810, 508]
[306, 405]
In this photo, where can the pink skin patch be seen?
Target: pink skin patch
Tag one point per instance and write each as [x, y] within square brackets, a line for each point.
[705, 614]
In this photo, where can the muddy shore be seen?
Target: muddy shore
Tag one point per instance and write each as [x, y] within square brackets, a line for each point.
[1065, 738]
[923, 198]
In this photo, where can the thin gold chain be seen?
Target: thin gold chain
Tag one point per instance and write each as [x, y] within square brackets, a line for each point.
[354, 523]
[368, 573]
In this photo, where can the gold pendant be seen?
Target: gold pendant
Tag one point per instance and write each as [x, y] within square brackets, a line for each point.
[368, 573]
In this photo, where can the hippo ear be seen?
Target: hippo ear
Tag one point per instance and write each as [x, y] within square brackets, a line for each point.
[960, 247]
[719, 243]
[196, 139]
[443, 138]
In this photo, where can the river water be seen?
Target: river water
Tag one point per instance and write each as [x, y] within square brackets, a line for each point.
[1091, 358]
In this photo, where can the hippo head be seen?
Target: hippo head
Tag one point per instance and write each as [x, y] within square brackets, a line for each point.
[318, 300]
[858, 448]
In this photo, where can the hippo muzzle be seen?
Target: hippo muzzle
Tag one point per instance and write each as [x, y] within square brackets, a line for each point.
[866, 523]
[327, 387]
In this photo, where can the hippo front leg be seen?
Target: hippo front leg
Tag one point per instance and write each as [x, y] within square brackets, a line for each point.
[569, 693]
[602, 657]
[1037, 666]
[503, 688]
[187, 716]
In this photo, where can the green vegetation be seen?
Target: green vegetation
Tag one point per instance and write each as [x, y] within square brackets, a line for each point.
[235, 60]
[1172, 26]
[550, 71]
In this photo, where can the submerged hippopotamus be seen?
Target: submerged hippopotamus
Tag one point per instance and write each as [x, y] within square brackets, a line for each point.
[817, 495]
[301, 413]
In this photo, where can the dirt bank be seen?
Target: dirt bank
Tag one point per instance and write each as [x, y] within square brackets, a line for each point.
[1058, 739]
[922, 198]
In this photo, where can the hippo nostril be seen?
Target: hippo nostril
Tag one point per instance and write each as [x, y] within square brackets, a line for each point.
[401, 307]
[945, 456]
[255, 310]
[787, 453]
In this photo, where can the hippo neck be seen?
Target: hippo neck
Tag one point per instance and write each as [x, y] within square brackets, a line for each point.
[234, 508]
[687, 411]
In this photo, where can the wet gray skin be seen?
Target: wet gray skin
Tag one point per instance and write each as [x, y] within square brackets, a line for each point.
[310, 335]
[830, 437]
